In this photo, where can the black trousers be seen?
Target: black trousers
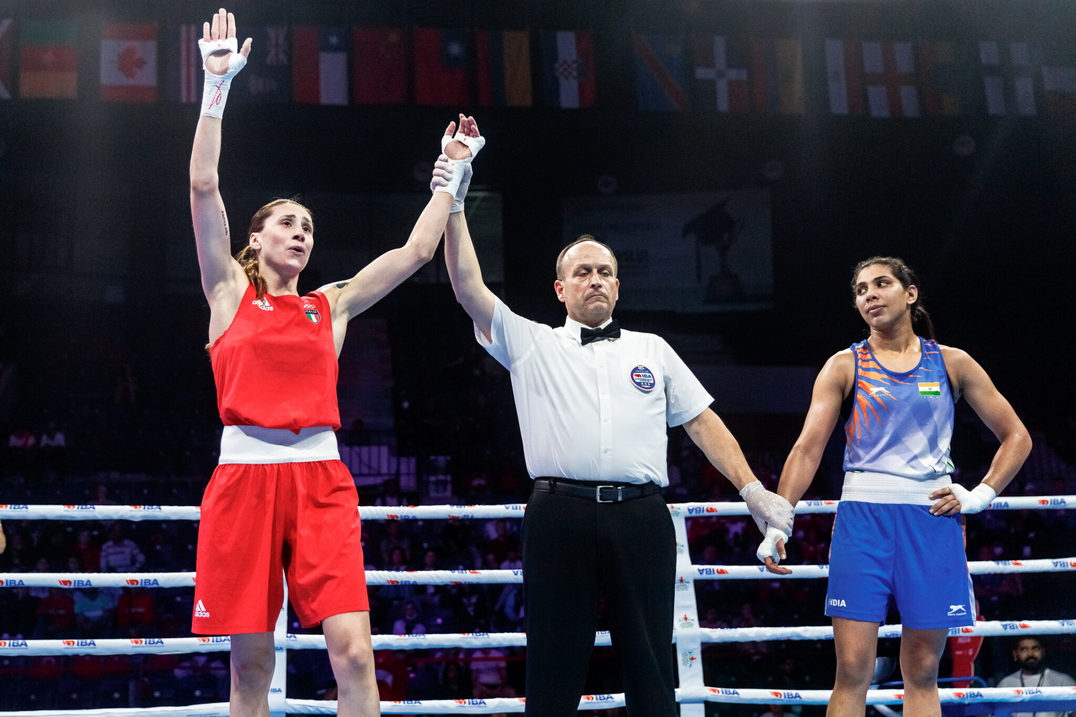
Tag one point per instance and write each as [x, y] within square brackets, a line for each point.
[574, 550]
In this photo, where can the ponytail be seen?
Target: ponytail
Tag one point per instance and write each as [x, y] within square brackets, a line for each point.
[248, 260]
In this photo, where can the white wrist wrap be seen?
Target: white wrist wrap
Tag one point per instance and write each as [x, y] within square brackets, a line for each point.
[974, 500]
[768, 547]
[215, 92]
[457, 168]
[461, 191]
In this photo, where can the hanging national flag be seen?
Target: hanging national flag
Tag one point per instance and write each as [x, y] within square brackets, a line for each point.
[319, 65]
[267, 76]
[1008, 82]
[442, 64]
[129, 62]
[777, 76]
[1059, 90]
[6, 51]
[946, 77]
[660, 72]
[720, 74]
[48, 60]
[844, 77]
[568, 69]
[183, 63]
[503, 59]
[379, 65]
[889, 74]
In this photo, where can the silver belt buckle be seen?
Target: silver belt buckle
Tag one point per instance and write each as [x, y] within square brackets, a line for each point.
[619, 494]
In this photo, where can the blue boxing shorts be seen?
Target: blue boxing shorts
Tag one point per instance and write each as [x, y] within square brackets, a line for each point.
[885, 553]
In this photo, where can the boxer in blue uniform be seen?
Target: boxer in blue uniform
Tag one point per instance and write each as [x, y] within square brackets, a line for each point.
[898, 537]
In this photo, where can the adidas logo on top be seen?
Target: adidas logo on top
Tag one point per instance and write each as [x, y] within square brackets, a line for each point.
[200, 611]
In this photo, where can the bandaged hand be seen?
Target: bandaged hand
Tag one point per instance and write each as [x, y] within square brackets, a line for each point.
[467, 135]
[768, 547]
[452, 177]
[222, 59]
[768, 509]
[974, 500]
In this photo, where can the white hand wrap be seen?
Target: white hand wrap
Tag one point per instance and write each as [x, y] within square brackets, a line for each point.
[974, 500]
[767, 508]
[768, 547]
[461, 192]
[215, 92]
[475, 144]
[448, 176]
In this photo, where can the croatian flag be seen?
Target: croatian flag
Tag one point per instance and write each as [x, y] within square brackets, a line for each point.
[568, 59]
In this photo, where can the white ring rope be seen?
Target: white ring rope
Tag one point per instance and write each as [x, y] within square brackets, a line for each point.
[500, 577]
[475, 640]
[1008, 695]
[13, 511]
[690, 692]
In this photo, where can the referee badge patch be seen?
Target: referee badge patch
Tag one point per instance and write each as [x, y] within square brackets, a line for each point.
[643, 378]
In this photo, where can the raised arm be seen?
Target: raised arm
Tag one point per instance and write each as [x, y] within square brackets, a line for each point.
[466, 274]
[223, 281]
[351, 297]
[971, 381]
[460, 256]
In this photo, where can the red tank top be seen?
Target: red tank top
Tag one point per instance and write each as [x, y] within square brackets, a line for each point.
[275, 365]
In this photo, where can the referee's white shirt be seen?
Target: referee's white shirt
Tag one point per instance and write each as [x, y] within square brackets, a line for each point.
[596, 412]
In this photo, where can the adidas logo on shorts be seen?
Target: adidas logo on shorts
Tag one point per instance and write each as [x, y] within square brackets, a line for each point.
[200, 611]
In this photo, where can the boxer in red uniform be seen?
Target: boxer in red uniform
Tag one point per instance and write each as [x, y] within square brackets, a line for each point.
[281, 502]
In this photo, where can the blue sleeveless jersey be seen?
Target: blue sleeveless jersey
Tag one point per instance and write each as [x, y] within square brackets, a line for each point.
[901, 423]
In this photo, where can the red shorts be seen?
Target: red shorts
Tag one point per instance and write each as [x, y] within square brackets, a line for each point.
[261, 521]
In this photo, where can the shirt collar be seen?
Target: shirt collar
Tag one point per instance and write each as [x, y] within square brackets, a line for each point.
[574, 328]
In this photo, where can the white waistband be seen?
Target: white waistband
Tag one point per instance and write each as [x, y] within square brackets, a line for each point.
[254, 444]
[868, 487]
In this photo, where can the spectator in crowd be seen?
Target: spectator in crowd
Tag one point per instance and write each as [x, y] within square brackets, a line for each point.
[410, 620]
[135, 611]
[55, 615]
[454, 682]
[1029, 654]
[85, 550]
[94, 611]
[120, 554]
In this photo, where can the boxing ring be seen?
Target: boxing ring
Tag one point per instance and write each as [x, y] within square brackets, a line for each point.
[688, 636]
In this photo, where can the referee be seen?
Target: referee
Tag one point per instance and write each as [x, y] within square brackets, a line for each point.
[593, 402]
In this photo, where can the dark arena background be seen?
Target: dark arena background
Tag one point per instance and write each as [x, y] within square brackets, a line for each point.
[740, 157]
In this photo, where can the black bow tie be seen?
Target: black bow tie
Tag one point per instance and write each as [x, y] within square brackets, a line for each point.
[611, 331]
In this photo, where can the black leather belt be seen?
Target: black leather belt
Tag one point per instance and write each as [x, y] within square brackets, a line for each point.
[597, 492]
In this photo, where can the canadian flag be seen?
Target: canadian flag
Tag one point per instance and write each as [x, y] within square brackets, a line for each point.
[129, 62]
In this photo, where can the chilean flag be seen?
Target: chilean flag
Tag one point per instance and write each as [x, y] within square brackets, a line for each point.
[319, 65]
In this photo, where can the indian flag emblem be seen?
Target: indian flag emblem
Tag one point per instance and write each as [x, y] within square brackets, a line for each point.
[930, 389]
[315, 317]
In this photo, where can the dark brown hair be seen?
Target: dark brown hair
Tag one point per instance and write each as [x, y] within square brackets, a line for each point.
[921, 322]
